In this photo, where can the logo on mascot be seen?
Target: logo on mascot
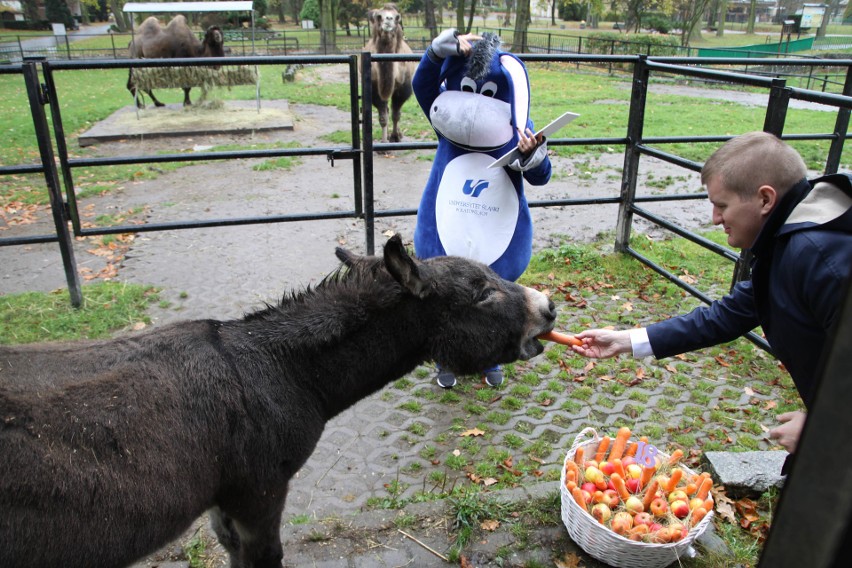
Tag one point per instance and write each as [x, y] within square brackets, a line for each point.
[474, 188]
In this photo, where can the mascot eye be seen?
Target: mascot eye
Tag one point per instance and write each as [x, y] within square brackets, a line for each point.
[489, 89]
[468, 85]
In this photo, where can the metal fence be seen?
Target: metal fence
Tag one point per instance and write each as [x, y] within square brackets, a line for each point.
[361, 147]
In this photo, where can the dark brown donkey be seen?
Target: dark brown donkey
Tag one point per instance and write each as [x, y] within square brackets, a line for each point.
[111, 449]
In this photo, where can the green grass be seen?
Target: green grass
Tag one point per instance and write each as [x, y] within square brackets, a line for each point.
[108, 307]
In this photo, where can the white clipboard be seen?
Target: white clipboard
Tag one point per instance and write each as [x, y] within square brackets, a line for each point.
[514, 154]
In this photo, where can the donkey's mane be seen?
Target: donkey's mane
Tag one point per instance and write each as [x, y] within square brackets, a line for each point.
[364, 278]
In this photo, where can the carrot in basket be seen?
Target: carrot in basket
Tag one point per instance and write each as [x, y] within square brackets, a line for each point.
[561, 338]
[602, 447]
[621, 438]
[704, 488]
[647, 474]
[691, 488]
[675, 457]
[618, 467]
[579, 497]
[618, 481]
[677, 473]
[697, 514]
[650, 494]
[708, 504]
[571, 466]
[578, 457]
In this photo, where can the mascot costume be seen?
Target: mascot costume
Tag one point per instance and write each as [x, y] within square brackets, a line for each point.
[477, 106]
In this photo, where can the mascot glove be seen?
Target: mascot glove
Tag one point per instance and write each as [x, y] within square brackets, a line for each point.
[446, 44]
[532, 161]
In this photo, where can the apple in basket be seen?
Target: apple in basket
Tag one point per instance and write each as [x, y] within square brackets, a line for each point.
[622, 522]
[634, 504]
[643, 518]
[608, 468]
[680, 508]
[678, 495]
[601, 512]
[659, 508]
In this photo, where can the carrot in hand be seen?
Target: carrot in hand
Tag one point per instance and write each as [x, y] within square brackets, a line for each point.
[561, 338]
[620, 443]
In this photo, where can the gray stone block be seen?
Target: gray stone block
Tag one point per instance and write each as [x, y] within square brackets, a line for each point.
[746, 472]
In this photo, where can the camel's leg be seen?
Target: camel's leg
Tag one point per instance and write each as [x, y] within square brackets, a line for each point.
[186, 101]
[153, 98]
[131, 86]
[400, 95]
[382, 107]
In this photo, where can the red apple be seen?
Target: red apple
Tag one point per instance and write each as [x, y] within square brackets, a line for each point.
[638, 532]
[633, 471]
[622, 522]
[680, 508]
[678, 495]
[695, 502]
[634, 504]
[642, 518]
[633, 485]
[594, 475]
[607, 468]
[628, 461]
[611, 498]
[589, 487]
[659, 508]
[677, 532]
[601, 513]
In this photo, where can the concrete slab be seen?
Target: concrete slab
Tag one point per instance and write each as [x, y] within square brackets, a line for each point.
[213, 117]
[746, 472]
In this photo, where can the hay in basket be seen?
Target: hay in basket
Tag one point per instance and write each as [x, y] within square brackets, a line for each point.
[604, 544]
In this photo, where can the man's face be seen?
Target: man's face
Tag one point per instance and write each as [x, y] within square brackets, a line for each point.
[741, 218]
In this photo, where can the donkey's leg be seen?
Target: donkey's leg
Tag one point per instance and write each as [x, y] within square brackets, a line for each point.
[153, 98]
[227, 534]
[186, 101]
[253, 540]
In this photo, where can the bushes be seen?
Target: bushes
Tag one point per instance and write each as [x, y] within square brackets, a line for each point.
[605, 43]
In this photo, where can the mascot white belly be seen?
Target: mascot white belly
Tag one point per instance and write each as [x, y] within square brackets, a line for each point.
[476, 209]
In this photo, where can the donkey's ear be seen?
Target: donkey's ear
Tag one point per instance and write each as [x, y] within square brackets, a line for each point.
[406, 270]
[348, 258]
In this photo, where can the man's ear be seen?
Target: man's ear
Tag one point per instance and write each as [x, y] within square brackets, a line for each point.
[768, 198]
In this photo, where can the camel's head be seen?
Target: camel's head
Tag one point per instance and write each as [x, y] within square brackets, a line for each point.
[385, 21]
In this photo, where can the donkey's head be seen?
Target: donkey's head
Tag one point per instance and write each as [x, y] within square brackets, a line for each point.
[473, 319]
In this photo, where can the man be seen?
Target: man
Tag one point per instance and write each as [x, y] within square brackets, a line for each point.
[800, 234]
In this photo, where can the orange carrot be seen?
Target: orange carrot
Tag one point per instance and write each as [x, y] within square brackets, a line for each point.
[578, 456]
[618, 481]
[571, 475]
[647, 474]
[697, 514]
[704, 488]
[691, 488]
[675, 457]
[579, 497]
[631, 450]
[602, 447]
[571, 466]
[677, 473]
[619, 468]
[570, 485]
[708, 504]
[650, 494]
[621, 438]
[562, 338]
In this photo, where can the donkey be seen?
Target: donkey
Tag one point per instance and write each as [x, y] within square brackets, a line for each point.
[111, 449]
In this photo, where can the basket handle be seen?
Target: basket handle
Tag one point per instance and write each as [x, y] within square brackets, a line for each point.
[589, 433]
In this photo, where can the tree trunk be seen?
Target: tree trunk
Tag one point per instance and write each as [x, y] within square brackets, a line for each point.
[328, 41]
[553, 13]
[752, 15]
[470, 16]
[429, 18]
[830, 9]
[507, 16]
[723, 11]
[460, 15]
[122, 20]
[522, 18]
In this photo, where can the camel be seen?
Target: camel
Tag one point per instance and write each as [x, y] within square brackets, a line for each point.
[391, 80]
[176, 40]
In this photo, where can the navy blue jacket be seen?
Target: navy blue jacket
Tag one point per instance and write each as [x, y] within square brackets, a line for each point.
[802, 260]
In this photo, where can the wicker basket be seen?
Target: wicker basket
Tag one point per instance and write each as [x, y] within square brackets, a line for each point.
[607, 546]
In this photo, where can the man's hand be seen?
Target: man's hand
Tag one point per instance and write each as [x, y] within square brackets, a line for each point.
[791, 428]
[603, 343]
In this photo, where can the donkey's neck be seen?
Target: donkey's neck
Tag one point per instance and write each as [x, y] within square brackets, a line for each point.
[340, 353]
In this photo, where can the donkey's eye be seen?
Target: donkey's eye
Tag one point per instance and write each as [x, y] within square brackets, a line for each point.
[484, 294]
[489, 89]
[468, 85]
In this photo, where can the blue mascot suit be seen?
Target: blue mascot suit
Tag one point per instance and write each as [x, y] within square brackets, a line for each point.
[476, 105]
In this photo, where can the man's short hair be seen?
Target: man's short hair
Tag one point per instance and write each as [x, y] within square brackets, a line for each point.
[754, 159]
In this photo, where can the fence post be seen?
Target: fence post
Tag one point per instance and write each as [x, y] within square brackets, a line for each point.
[841, 126]
[57, 206]
[631, 153]
[367, 144]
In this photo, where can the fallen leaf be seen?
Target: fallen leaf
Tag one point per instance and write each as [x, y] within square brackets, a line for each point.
[721, 361]
[489, 481]
[568, 560]
[456, 453]
[490, 525]
[627, 306]
[473, 432]
[748, 390]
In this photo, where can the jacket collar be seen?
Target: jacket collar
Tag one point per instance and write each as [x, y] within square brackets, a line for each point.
[779, 216]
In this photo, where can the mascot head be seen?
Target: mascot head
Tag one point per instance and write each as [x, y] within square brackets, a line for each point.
[485, 98]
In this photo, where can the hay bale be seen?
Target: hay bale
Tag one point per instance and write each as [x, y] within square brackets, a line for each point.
[150, 78]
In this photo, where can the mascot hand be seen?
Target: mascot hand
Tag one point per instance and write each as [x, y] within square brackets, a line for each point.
[446, 44]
